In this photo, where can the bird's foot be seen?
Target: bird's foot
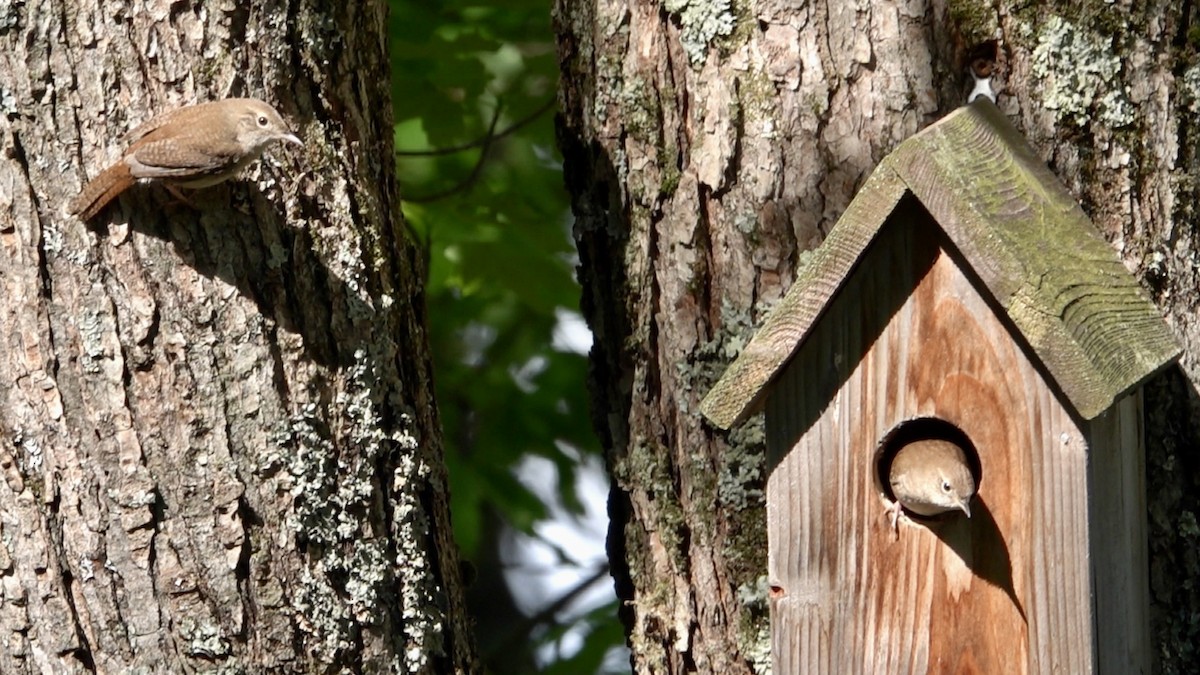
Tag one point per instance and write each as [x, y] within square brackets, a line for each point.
[178, 194]
[895, 512]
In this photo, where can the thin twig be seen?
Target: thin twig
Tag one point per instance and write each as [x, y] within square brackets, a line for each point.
[476, 170]
[519, 635]
[482, 141]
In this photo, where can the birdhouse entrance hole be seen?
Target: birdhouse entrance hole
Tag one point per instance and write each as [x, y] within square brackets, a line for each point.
[920, 429]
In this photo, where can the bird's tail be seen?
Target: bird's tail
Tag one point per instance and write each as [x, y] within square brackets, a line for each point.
[101, 190]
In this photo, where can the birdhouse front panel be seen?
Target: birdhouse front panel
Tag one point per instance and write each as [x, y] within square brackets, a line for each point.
[911, 345]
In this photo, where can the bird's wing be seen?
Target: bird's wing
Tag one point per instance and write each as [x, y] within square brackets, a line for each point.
[182, 114]
[177, 158]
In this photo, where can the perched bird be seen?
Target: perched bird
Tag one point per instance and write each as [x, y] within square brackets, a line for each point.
[929, 477]
[195, 146]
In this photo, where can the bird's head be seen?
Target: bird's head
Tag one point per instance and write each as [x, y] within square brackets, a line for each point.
[259, 124]
[955, 488]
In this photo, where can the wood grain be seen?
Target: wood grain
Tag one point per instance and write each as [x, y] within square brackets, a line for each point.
[1117, 508]
[1039, 256]
[1034, 250]
[1006, 591]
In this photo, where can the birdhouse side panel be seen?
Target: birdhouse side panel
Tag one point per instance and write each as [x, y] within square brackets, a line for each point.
[910, 337]
[1119, 556]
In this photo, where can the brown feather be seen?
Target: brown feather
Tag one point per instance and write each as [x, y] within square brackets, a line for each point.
[173, 157]
[101, 190]
[194, 147]
[931, 476]
[186, 116]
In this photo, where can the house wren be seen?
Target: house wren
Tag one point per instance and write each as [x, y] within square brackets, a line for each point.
[195, 146]
[929, 477]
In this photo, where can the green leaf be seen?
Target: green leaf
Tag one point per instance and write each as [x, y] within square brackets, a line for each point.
[500, 264]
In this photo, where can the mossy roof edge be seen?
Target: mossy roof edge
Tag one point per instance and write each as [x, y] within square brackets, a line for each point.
[1064, 289]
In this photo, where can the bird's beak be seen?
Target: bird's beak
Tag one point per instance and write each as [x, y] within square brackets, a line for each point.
[291, 138]
[965, 505]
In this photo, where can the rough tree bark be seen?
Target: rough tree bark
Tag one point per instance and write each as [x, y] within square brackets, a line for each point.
[218, 442]
[708, 145]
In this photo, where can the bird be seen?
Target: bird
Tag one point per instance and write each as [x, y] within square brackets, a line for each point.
[194, 146]
[930, 477]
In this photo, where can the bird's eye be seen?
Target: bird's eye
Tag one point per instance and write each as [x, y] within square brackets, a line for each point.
[945, 486]
[263, 121]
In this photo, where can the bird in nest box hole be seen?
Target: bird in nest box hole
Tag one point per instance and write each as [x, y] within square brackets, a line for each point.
[930, 477]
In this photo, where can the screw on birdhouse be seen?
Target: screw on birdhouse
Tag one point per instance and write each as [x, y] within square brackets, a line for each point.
[981, 64]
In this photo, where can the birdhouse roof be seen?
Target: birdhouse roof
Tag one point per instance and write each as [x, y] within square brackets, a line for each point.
[1022, 234]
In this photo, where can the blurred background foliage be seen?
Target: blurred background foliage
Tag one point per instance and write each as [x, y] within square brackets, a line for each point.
[481, 180]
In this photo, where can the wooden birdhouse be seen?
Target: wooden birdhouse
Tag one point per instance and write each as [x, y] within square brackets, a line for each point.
[963, 297]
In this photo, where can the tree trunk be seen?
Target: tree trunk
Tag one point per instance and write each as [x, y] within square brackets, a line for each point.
[708, 146]
[218, 441]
